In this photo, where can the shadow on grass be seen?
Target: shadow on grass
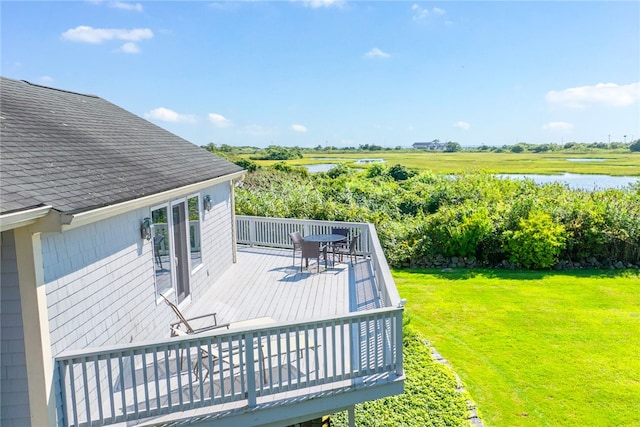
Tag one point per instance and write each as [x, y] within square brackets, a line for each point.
[470, 273]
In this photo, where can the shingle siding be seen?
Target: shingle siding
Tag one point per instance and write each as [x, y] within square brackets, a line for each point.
[100, 277]
[216, 240]
[14, 398]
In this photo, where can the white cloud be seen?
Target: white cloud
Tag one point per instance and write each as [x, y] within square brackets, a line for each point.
[607, 94]
[137, 7]
[462, 125]
[299, 128]
[165, 115]
[420, 13]
[376, 53]
[219, 120]
[558, 126]
[315, 4]
[86, 34]
[130, 47]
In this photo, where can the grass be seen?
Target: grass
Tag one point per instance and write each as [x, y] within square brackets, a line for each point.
[535, 348]
[615, 163]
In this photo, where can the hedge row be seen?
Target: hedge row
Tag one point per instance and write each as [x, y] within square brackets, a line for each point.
[478, 216]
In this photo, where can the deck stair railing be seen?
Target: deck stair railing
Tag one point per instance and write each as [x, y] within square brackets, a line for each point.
[136, 381]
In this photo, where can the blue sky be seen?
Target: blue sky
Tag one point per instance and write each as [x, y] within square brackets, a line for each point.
[328, 72]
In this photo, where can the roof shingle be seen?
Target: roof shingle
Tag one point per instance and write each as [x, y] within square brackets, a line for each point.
[79, 152]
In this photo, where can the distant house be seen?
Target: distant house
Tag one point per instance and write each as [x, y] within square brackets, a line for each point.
[102, 214]
[434, 145]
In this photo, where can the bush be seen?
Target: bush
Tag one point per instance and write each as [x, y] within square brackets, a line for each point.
[537, 242]
[247, 164]
[399, 172]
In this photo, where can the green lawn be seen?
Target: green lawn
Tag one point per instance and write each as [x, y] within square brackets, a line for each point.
[535, 348]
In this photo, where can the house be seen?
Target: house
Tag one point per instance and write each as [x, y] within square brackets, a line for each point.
[102, 214]
[434, 145]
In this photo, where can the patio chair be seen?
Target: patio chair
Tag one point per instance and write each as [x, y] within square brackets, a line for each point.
[312, 250]
[183, 322]
[297, 239]
[343, 232]
[350, 250]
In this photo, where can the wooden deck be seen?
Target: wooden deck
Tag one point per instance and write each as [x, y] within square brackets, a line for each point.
[331, 339]
[265, 283]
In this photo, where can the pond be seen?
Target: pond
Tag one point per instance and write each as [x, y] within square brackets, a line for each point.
[578, 181]
[573, 180]
[321, 167]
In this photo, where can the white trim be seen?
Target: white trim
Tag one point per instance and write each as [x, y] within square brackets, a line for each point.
[192, 268]
[71, 221]
[22, 218]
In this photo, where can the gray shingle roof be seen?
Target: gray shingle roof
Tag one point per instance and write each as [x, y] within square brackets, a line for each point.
[78, 152]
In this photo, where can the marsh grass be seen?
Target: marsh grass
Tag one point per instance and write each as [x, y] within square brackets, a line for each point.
[535, 348]
[616, 164]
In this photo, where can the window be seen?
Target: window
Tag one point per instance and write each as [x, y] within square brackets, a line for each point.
[194, 232]
[161, 249]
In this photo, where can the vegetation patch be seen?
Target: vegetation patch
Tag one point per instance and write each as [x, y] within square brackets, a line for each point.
[430, 397]
[426, 219]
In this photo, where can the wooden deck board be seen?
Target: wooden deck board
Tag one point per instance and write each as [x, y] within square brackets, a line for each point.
[264, 282]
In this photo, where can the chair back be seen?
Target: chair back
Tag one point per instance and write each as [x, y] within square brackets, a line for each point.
[180, 316]
[310, 249]
[340, 230]
[352, 244]
[296, 237]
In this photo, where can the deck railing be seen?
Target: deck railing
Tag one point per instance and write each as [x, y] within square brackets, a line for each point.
[274, 232]
[133, 382]
[237, 368]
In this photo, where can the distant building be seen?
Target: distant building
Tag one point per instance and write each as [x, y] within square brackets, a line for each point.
[434, 145]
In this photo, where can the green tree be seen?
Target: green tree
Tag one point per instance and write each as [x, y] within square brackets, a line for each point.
[452, 147]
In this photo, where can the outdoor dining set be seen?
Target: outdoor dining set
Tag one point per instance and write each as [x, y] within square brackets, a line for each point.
[338, 243]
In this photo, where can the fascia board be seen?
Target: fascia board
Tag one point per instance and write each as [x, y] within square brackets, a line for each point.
[70, 221]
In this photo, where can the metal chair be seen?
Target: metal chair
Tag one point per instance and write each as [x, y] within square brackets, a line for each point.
[343, 232]
[297, 239]
[176, 327]
[312, 250]
[350, 250]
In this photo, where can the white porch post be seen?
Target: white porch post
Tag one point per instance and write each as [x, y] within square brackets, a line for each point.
[35, 319]
[352, 416]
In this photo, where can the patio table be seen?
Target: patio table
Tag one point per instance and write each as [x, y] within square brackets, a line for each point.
[325, 238]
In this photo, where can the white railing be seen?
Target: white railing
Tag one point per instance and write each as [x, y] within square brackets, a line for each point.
[136, 381]
[274, 232]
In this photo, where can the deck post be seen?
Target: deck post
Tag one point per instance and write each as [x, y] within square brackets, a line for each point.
[250, 369]
[352, 416]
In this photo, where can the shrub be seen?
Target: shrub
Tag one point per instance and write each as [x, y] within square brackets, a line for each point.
[399, 172]
[537, 242]
[247, 164]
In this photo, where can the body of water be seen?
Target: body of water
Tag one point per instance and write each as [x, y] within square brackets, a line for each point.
[578, 181]
[573, 180]
[321, 167]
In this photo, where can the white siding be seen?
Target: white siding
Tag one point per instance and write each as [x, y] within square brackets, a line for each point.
[14, 398]
[100, 277]
[216, 240]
